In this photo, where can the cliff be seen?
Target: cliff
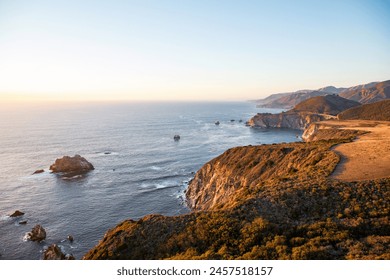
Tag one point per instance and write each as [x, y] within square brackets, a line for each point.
[293, 120]
[322, 131]
[264, 202]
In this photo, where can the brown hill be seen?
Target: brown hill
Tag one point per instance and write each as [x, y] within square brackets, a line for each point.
[379, 111]
[369, 93]
[328, 104]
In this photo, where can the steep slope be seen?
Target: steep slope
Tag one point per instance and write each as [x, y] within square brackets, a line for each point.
[328, 104]
[379, 111]
[368, 93]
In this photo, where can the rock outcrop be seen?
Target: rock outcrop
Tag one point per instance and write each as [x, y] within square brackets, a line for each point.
[38, 171]
[293, 120]
[54, 252]
[322, 131]
[38, 233]
[17, 213]
[74, 165]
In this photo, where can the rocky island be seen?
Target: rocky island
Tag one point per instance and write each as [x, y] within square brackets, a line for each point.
[74, 165]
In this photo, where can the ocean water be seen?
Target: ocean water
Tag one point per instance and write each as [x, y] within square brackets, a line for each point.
[139, 168]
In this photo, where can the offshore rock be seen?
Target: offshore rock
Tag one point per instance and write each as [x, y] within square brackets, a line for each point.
[53, 252]
[38, 233]
[38, 171]
[17, 213]
[76, 165]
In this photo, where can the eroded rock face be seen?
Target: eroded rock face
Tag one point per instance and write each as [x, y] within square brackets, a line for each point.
[323, 131]
[53, 252]
[76, 164]
[237, 170]
[38, 233]
[294, 120]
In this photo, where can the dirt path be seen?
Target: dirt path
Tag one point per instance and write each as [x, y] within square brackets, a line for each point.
[368, 157]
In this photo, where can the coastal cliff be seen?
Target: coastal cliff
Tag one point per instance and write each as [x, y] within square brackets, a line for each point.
[293, 120]
[264, 202]
[323, 131]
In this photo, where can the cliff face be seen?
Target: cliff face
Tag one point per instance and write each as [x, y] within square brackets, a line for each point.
[294, 120]
[219, 182]
[323, 131]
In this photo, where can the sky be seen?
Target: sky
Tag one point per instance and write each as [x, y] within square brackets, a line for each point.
[188, 50]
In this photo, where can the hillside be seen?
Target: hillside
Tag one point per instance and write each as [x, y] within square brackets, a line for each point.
[289, 100]
[264, 202]
[328, 104]
[375, 111]
[369, 93]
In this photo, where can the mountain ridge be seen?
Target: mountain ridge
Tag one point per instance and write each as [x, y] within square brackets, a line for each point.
[289, 99]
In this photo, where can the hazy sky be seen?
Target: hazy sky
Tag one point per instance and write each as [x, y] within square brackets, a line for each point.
[166, 50]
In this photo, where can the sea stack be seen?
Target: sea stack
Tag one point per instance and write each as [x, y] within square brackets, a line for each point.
[176, 137]
[76, 164]
[38, 233]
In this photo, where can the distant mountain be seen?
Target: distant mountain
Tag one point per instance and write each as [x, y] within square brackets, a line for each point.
[289, 99]
[332, 89]
[328, 104]
[379, 111]
[368, 93]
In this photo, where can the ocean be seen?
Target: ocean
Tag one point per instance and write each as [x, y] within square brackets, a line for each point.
[139, 168]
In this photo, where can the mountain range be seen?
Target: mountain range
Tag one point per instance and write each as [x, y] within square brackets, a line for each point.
[366, 93]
